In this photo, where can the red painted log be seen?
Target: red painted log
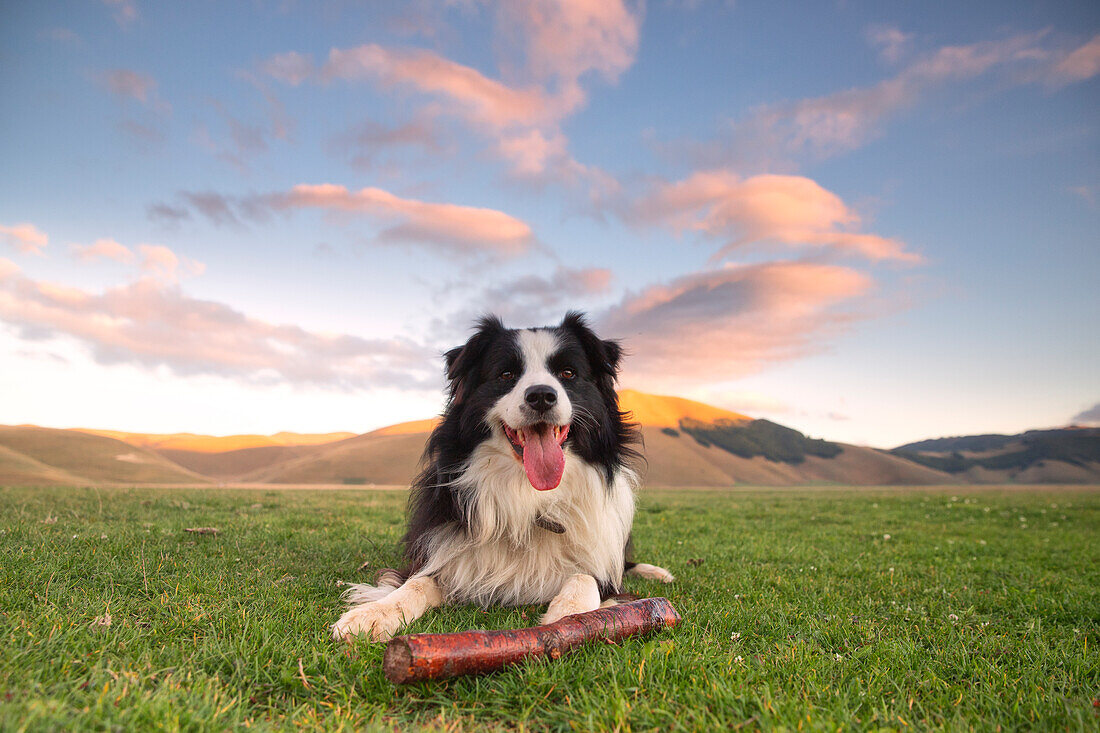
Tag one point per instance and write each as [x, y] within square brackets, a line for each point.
[419, 657]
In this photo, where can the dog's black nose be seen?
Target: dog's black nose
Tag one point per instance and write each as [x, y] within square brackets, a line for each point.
[541, 397]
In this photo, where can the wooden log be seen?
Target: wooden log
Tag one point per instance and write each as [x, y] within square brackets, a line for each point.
[419, 657]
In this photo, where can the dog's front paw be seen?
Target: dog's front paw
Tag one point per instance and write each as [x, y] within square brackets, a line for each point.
[579, 595]
[378, 621]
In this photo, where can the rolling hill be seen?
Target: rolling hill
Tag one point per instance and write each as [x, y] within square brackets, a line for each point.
[1063, 455]
[46, 455]
[686, 444]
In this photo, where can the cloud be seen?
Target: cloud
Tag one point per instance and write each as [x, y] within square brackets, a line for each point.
[215, 207]
[847, 119]
[164, 264]
[125, 11]
[1091, 416]
[142, 133]
[1083, 63]
[290, 68]
[155, 260]
[543, 158]
[448, 227]
[131, 84]
[819, 127]
[537, 300]
[107, 249]
[167, 214]
[363, 144]
[789, 210]
[152, 323]
[727, 323]
[544, 50]
[1086, 194]
[891, 43]
[25, 237]
[530, 300]
[563, 41]
[477, 98]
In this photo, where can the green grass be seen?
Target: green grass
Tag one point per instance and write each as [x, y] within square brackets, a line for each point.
[980, 610]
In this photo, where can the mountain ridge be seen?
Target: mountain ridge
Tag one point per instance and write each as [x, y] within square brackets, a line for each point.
[687, 444]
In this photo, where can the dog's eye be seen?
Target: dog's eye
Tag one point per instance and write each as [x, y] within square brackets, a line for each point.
[567, 374]
[507, 376]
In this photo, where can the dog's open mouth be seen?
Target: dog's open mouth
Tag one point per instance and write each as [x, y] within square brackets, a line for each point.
[538, 446]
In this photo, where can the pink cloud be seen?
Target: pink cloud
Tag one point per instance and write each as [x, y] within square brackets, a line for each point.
[163, 263]
[845, 120]
[107, 249]
[542, 158]
[152, 323]
[478, 98]
[1083, 63]
[891, 43]
[290, 68]
[25, 237]
[789, 210]
[562, 41]
[544, 47]
[125, 11]
[130, 83]
[733, 321]
[460, 229]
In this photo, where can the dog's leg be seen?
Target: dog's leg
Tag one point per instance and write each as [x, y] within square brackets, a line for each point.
[579, 594]
[381, 619]
[650, 572]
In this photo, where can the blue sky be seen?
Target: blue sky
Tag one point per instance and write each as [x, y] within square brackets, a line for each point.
[874, 222]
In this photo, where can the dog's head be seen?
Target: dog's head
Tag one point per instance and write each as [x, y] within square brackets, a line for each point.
[537, 392]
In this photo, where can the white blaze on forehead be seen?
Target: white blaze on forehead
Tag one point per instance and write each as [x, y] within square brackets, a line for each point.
[536, 348]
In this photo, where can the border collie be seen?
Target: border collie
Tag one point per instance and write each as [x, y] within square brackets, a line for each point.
[527, 490]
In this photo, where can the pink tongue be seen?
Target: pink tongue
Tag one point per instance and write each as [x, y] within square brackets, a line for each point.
[543, 460]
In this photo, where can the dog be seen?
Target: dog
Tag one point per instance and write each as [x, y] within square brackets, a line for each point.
[527, 490]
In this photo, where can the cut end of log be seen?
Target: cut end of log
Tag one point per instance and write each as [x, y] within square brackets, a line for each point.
[397, 663]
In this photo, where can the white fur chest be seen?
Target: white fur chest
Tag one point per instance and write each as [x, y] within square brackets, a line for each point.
[504, 557]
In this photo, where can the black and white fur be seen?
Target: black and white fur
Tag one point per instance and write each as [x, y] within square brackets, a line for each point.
[478, 531]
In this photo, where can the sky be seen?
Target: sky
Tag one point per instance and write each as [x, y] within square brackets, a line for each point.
[875, 222]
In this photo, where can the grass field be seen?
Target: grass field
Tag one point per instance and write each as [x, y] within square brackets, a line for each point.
[816, 610]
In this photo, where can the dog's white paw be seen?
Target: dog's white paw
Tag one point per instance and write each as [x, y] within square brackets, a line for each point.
[579, 595]
[377, 621]
[651, 572]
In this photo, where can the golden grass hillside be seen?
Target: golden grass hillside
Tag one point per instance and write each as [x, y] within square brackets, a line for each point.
[88, 458]
[678, 455]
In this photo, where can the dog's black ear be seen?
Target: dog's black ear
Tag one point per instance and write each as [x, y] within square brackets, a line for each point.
[603, 354]
[462, 361]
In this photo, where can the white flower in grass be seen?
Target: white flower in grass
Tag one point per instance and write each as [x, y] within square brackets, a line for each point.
[837, 658]
[886, 537]
[952, 618]
[735, 635]
[739, 658]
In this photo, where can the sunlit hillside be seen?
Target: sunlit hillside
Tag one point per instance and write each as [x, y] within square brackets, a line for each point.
[661, 411]
[685, 443]
[218, 443]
